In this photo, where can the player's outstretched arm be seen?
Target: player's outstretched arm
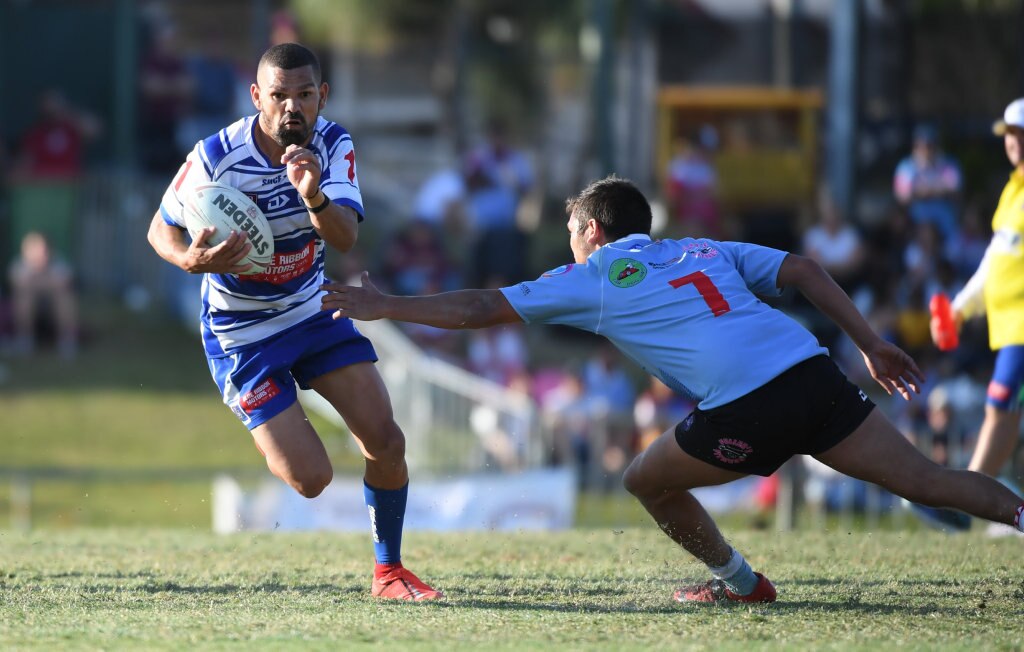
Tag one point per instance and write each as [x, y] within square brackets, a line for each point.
[889, 365]
[459, 309]
[198, 257]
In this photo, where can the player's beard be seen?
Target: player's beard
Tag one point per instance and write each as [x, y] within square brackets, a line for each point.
[285, 136]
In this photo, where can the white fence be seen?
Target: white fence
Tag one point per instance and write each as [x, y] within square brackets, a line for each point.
[454, 421]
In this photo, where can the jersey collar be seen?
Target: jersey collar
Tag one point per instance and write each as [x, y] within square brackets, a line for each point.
[634, 236]
[631, 236]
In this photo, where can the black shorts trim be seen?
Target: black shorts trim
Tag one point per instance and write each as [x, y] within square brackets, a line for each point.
[806, 410]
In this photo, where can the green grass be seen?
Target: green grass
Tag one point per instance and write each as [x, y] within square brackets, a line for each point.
[139, 396]
[172, 589]
[139, 400]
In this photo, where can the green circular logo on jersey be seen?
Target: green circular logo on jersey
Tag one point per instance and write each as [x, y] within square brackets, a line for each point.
[626, 272]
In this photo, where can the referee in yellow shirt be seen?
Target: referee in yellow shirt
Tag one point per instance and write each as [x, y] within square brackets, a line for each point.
[997, 289]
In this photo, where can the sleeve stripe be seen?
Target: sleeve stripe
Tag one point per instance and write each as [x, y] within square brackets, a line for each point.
[333, 149]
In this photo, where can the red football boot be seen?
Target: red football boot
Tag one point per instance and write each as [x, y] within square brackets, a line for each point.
[716, 591]
[399, 583]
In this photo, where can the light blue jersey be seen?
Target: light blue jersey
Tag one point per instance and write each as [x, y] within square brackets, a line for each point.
[684, 310]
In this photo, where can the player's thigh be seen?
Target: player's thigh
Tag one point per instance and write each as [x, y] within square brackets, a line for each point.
[664, 466]
[359, 395]
[291, 445]
[877, 452]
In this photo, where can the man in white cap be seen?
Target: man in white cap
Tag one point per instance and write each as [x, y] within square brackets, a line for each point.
[997, 289]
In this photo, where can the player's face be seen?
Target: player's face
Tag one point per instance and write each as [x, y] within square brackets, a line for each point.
[1013, 141]
[289, 102]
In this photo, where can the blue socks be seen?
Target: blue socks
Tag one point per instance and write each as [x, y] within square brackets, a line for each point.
[387, 516]
[736, 574]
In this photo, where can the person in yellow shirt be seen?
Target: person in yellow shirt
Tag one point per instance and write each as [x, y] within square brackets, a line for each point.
[997, 290]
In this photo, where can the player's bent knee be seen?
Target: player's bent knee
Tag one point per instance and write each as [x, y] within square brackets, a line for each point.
[308, 483]
[633, 479]
[314, 485]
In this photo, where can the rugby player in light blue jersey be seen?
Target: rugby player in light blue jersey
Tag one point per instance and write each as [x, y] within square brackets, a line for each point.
[265, 332]
[687, 312]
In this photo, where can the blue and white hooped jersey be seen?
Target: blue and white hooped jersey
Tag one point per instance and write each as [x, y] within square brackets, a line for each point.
[684, 310]
[242, 310]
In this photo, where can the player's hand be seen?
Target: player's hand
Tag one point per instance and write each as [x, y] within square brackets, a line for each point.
[224, 258]
[364, 303]
[893, 369]
[303, 170]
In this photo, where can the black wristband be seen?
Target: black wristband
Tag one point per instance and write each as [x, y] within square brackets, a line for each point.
[322, 207]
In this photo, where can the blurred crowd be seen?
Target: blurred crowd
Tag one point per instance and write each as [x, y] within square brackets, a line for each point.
[184, 93]
[470, 226]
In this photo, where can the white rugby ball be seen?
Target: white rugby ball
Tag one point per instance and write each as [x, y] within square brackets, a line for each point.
[229, 209]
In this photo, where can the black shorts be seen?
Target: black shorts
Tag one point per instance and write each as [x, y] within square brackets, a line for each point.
[806, 410]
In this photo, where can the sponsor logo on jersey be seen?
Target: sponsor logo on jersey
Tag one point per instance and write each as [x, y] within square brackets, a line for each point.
[273, 181]
[287, 265]
[524, 288]
[666, 264]
[277, 202]
[558, 271]
[260, 395]
[626, 272]
[732, 451]
[700, 250]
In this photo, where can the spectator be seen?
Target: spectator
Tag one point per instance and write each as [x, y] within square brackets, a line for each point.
[441, 203]
[498, 177]
[415, 262]
[944, 435]
[912, 320]
[498, 354]
[835, 244]
[216, 88]
[606, 381]
[691, 186]
[657, 409]
[48, 170]
[569, 414]
[928, 183]
[53, 147]
[440, 200]
[966, 252]
[166, 89]
[40, 281]
[922, 254]
[612, 396]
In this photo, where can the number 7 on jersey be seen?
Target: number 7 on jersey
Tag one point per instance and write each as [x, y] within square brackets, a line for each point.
[716, 302]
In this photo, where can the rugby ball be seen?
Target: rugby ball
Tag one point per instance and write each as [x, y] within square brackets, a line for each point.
[229, 209]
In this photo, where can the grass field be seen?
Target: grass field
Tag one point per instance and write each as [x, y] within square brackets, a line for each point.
[139, 398]
[600, 588]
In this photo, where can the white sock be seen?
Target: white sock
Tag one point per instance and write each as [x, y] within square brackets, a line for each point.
[736, 574]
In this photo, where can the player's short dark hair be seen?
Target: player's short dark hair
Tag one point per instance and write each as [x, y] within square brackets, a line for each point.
[288, 56]
[617, 205]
